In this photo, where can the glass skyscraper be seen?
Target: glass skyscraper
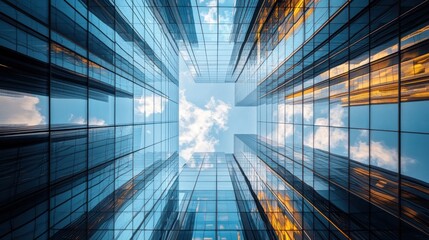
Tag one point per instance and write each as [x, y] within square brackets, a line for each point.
[89, 139]
[89, 119]
[342, 101]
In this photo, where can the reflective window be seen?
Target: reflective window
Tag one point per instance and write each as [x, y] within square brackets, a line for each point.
[384, 150]
[101, 108]
[338, 141]
[100, 146]
[25, 159]
[359, 145]
[359, 116]
[321, 138]
[68, 104]
[414, 152]
[124, 108]
[385, 49]
[415, 116]
[414, 36]
[23, 110]
[68, 153]
[384, 116]
[384, 82]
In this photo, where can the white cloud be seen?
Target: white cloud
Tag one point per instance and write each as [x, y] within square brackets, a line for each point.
[280, 133]
[360, 152]
[212, 3]
[150, 104]
[211, 16]
[93, 121]
[77, 120]
[321, 138]
[96, 122]
[282, 130]
[381, 155]
[197, 125]
[384, 156]
[308, 112]
[337, 137]
[20, 110]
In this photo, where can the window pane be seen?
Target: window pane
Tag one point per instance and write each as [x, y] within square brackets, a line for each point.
[384, 150]
[414, 156]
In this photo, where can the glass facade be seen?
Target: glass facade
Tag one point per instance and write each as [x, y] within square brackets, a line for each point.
[88, 119]
[215, 201]
[89, 134]
[342, 101]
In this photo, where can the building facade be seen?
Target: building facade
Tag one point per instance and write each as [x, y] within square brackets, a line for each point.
[342, 101]
[88, 119]
[216, 202]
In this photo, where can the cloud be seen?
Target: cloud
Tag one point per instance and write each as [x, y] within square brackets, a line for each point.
[198, 126]
[381, 155]
[77, 120]
[20, 110]
[308, 112]
[93, 121]
[338, 137]
[283, 131]
[149, 105]
[97, 122]
[280, 133]
[338, 114]
[211, 16]
[360, 152]
[326, 138]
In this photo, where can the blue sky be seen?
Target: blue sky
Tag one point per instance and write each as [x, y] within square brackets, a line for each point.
[207, 112]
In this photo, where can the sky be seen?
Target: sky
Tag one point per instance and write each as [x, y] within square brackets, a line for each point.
[208, 118]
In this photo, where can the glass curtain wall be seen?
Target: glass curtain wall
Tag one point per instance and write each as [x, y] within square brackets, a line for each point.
[342, 114]
[88, 119]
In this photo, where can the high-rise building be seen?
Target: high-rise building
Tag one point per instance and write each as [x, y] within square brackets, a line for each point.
[342, 101]
[216, 202]
[89, 119]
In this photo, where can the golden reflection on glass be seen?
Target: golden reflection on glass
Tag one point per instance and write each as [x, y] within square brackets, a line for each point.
[73, 58]
[382, 186]
[384, 85]
[383, 51]
[321, 91]
[382, 189]
[339, 91]
[415, 78]
[338, 70]
[321, 77]
[359, 90]
[415, 37]
[278, 220]
[359, 61]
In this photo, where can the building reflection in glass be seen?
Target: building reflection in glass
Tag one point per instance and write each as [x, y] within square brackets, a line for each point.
[89, 120]
[342, 114]
[216, 201]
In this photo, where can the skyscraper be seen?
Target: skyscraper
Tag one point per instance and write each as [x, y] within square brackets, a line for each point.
[89, 119]
[342, 98]
[89, 127]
